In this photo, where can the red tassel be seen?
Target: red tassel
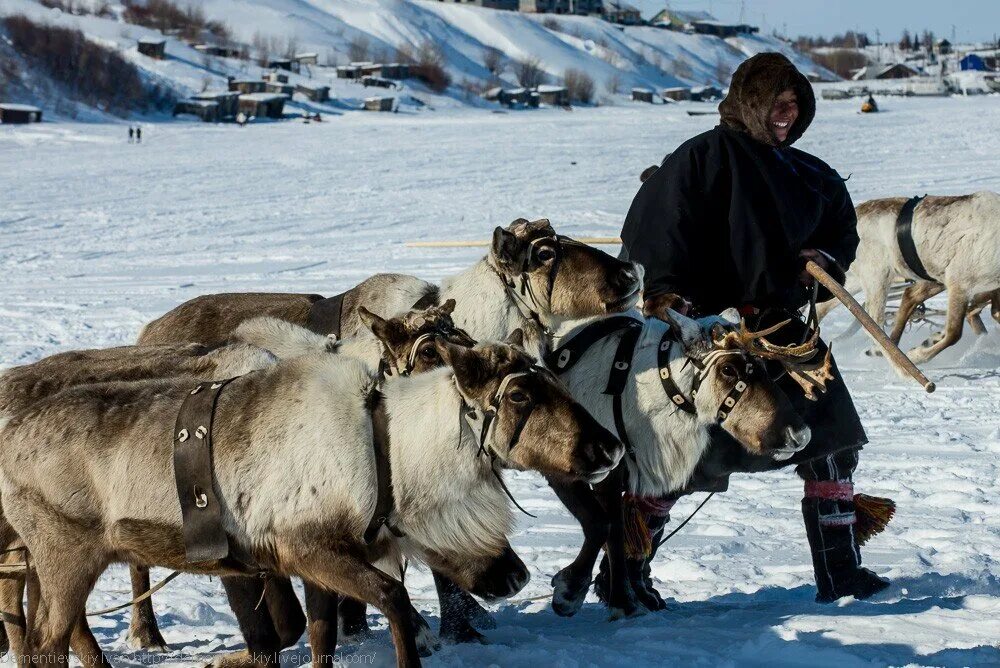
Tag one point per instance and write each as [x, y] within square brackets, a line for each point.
[638, 540]
[874, 514]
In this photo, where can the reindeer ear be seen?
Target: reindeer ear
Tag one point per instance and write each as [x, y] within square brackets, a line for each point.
[516, 338]
[506, 248]
[447, 308]
[467, 363]
[541, 225]
[376, 324]
[688, 332]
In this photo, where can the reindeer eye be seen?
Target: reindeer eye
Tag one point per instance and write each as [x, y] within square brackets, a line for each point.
[729, 371]
[429, 353]
[546, 255]
[518, 397]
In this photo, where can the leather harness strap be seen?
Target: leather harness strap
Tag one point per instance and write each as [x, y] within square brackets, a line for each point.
[566, 356]
[666, 379]
[325, 315]
[384, 503]
[904, 237]
[204, 536]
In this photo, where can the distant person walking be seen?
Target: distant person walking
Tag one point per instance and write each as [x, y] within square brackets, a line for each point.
[131, 134]
[138, 135]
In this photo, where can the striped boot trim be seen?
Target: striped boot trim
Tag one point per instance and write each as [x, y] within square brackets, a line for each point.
[838, 519]
[830, 489]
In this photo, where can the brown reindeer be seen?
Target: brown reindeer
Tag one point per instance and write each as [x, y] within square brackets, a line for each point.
[295, 476]
[408, 344]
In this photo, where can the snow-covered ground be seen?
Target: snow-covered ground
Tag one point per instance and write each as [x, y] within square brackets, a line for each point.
[98, 236]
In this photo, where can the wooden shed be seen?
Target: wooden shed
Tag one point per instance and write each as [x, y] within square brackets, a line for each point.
[217, 50]
[706, 93]
[263, 105]
[11, 113]
[228, 101]
[283, 89]
[314, 92]
[378, 82]
[154, 47]
[556, 96]
[380, 104]
[308, 58]
[247, 86]
[206, 110]
[283, 64]
[369, 69]
[275, 77]
[348, 72]
[642, 95]
[395, 71]
[677, 94]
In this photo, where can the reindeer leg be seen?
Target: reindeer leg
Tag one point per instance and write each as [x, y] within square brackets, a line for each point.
[995, 305]
[352, 576]
[321, 611]
[84, 645]
[246, 596]
[912, 297]
[974, 318]
[12, 599]
[876, 294]
[143, 631]
[957, 302]
[353, 620]
[622, 595]
[458, 609]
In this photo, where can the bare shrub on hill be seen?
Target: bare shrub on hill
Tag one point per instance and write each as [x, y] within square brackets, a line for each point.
[579, 85]
[80, 7]
[428, 66]
[189, 22]
[842, 62]
[529, 72]
[359, 49]
[88, 72]
[552, 24]
[613, 84]
[493, 60]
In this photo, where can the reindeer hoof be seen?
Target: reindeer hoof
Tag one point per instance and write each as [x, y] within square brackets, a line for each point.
[625, 610]
[463, 633]
[649, 597]
[148, 639]
[354, 632]
[481, 618]
[427, 642]
[568, 593]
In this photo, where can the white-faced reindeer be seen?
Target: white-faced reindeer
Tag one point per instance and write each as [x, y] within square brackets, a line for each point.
[678, 382]
[532, 279]
[957, 240]
[88, 472]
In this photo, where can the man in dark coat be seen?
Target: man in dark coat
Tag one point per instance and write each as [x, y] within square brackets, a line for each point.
[728, 220]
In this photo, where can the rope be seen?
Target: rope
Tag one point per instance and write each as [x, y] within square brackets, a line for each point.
[142, 597]
[681, 525]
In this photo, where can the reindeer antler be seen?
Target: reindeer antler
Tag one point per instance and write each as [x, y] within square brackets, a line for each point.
[811, 376]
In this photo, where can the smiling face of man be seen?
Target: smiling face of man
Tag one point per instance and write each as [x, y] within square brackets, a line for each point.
[783, 115]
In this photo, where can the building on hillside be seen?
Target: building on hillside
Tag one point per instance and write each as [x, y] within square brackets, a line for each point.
[973, 62]
[895, 71]
[314, 92]
[509, 5]
[308, 58]
[369, 69]
[263, 105]
[395, 71]
[217, 50]
[705, 94]
[720, 29]
[616, 11]
[348, 72]
[555, 96]
[247, 86]
[228, 101]
[11, 113]
[154, 47]
[380, 104]
[275, 77]
[283, 64]
[944, 47]
[561, 6]
[377, 82]
[206, 110]
[675, 20]
[642, 95]
[677, 94]
[280, 88]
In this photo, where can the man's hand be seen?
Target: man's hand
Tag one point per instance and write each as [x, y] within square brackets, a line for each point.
[805, 278]
[654, 307]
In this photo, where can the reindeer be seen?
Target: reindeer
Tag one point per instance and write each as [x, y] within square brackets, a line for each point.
[956, 238]
[407, 344]
[295, 472]
[532, 279]
[666, 421]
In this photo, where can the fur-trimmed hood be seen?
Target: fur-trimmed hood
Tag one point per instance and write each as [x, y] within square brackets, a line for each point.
[757, 82]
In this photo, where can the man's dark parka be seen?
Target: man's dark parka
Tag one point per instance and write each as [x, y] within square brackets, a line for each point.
[722, 221]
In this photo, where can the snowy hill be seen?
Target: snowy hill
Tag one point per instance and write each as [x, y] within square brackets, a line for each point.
[339, 31]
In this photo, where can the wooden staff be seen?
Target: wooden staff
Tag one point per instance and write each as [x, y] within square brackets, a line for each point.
[475, 243]
[892, 351]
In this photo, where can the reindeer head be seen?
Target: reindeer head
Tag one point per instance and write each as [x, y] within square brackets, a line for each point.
[408, 340]
[557, 278]
[733, 388]
[525, 417]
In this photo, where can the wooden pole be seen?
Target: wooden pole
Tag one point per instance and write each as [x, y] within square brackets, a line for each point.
[476, 243]
[892, 351]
